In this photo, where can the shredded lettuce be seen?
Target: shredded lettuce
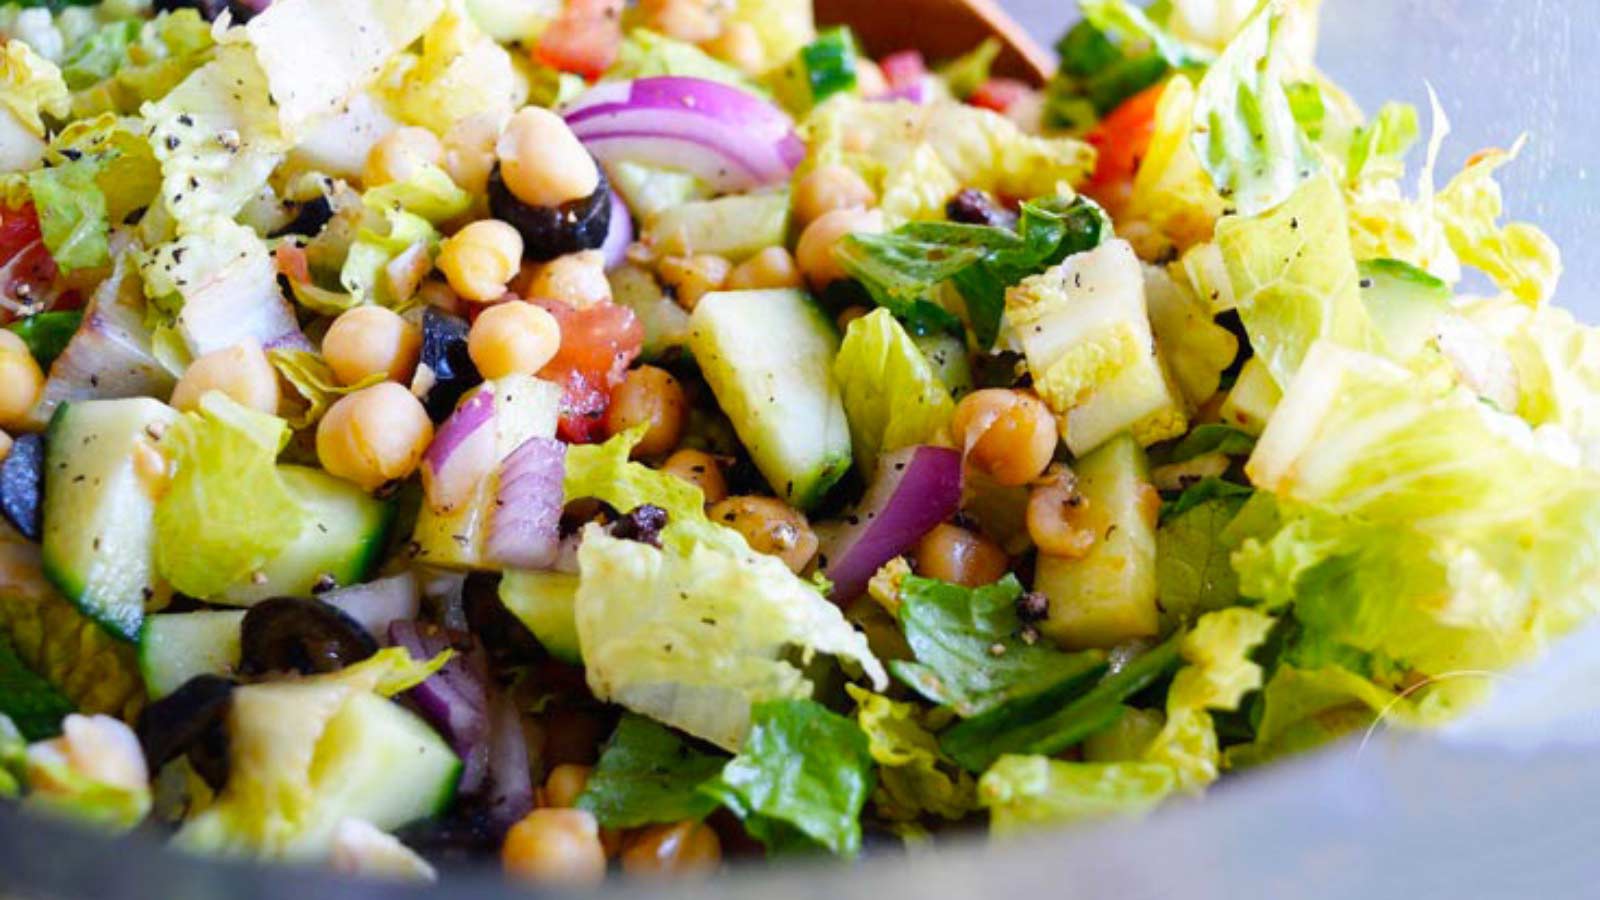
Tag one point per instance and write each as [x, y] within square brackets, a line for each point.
[226, 512]
[914, 776]
[1194, 569]
[1173, 202]
[965, 147]
[646, 54]
[72, 214]
[1294, 277]
[461, 72]
[309, 375]
[801, 780]
[1518, 257]
[12, 750]
[157, 56]
[31, 87]
[1419, 523]
[701, 662]
[1027, 793]
[648, 774]
[1194, 347]
[783, 27]
[970, 71]
[1245, 131]
[219, 284]
[892, 396]
[1117, 51]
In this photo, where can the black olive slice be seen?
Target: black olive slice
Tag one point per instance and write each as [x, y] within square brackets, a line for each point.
[296, 634]
[22, 486]
[552, 231]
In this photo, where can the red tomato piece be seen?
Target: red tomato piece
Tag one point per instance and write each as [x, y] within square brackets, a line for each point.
[584, 39]
[28, 274]
[999, 94]
[904, 70]
[1123, 138]
[598, 344]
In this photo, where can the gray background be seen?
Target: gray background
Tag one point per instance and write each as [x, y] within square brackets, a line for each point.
[1502, 68]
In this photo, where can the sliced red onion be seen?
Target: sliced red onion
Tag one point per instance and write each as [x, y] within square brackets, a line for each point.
[378, 604]
[729, 138]
[620, 236]
[461, 455]
[508, 787]
[915, 489]
[525, 532]
[913, 93]
[454, 699]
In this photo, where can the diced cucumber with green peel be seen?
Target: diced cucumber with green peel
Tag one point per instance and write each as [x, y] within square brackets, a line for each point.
[665, 324]
[1405, 303]
[175, 647]
[648, 191]
[103, 470]
[734, 227]
[544, 601]
[768, 357]
[341, 544]
[1108, 596]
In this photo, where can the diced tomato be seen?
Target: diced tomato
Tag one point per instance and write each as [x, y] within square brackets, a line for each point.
[292, 262]
[904, 70]
[598, 344]
[1123, 139]
[27, 273]
[584, 39]
[999, 94]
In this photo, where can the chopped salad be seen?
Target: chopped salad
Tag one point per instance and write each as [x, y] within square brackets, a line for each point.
[599, 437]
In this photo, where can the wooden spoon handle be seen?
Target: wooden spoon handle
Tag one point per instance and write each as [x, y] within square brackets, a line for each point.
[941, 29]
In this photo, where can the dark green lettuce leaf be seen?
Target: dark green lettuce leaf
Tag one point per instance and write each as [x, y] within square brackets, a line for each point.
[649, 773]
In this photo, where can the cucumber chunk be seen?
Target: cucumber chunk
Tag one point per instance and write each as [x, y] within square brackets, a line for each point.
[175, 647]
[544, 601]
[340, 545]
[102, 469]
[734, 227]
[1108, 596]
[768, 357]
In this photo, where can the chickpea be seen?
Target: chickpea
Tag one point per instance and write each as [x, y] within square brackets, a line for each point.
[682, 848]
[542, 161]
[815, 251]
[242, 371]
[480, 258]
[21, 380]
[1059, 518]
[555, 846]
[576, 279]
[469, 152]
[374, 436]
[371, 340]
[649, 396]
[773, 267]
[739, 45]
[700, 469]
[850, 314]
[771, 527]
[5, 446]
[954, 554]
[829, 188]
[691, 21]
[1008, 434]
[564, 784]
[513, 338]
[400, 155]
[693, 277]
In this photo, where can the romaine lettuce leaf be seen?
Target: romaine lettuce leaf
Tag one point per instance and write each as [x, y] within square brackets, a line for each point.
[162, 52]
[309, 375]
[100, 54]
[30, 706]
[892, 396]
[85, 774]
[606, 472]
[647, 54]
[127, 172]
[973, 147]
[968, 649]
[226, 512]
[648, 774]
[72, 214]
[1245, 131]
[1420, 523]
[1029, 793]
[220, 283]
[1195, 348]
[801, 780]
[12, 750]
[1378, 148]
[783, 27]
[914, 776]
[1294, 277]
[1173, 201]
[1517, 256]
[31, 87]
[970, 71]
[461, 72]
[1194, 569]
[701, 662]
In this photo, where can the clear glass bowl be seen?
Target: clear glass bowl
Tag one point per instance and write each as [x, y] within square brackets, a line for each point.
[1506, 804]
